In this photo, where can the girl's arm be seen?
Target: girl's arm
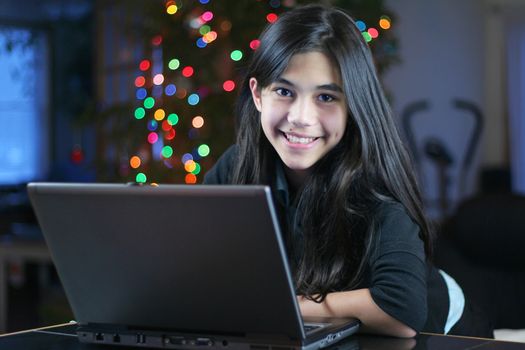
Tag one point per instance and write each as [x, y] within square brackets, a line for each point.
[358, 304]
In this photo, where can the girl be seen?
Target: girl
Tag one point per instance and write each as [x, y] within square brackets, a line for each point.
[314, 124]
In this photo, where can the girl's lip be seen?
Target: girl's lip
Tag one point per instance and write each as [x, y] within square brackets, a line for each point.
[299, 135]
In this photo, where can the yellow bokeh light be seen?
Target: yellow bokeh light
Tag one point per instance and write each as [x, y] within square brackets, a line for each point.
[190, 166]
[159, 114]
[384, 23]
[172, 9]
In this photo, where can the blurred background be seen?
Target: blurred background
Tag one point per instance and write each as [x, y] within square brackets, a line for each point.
[143, 91]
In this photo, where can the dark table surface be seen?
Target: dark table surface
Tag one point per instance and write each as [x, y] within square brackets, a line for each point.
[63, 337]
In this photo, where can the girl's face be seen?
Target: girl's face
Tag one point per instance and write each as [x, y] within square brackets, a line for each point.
[303, 113]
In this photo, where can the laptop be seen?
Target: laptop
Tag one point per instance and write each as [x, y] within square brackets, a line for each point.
[176, 266]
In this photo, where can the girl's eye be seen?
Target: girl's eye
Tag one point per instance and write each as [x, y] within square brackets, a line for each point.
[283, 92]
[326, 98]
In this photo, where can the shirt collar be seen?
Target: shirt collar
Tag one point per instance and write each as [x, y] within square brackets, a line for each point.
[281, 184]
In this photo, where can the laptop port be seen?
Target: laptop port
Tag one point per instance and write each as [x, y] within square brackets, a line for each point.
[204, 342]
[99, 336]
[116, 338]
[175, 340]
[141, 339]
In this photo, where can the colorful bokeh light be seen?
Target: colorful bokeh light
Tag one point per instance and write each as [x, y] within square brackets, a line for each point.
[172, 9]
[170, 89]
[385, 22]
[159, 114]
[236, 55]
[135, 162]
[228, 85]
[193, 99]
[158, 79]
[203, 150]
[153, 137]
[149, 102]
[189, 166]
[140, 81]
[205, 29]
[209, 37]
[141, 94]
[197, 122]
[167, 151]
[190, 179]
[170, 134]
[141, 178]
[140, 113]
[271, 17]
[186, 157]
[173, 64]
[207, 16]
[166, 126]
[173, 119]
[144, 65]
[201, 43]
[254, 44]
[187, 71]
[153, 125]
[197, 169]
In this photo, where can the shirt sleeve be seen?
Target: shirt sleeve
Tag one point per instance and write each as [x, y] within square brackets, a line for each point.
[398, 268]
[220, 173]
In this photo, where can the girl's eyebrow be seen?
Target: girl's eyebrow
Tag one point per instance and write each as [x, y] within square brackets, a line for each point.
[331, 87]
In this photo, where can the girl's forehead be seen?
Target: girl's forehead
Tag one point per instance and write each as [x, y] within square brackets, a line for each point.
[313, 66]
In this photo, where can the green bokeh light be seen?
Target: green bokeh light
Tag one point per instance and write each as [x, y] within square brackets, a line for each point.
[141, 177]
[140, 113]
[236, 55]
[149, 102]
[174, 64]
[173, 119]
[197, 169]
[205, 29]
[203, 150]
[167, 151]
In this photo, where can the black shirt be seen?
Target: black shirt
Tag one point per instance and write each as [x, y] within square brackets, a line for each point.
[400, 279]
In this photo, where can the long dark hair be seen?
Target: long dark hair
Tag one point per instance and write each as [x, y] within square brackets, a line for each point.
[368, 167]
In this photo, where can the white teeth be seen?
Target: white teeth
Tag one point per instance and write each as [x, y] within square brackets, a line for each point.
[301, 140]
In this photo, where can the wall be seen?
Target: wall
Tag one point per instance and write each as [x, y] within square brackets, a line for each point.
[442, 49]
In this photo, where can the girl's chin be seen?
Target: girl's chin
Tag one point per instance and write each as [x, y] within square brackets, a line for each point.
[297, 167]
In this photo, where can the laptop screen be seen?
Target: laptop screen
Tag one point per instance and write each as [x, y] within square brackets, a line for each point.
[170, 257]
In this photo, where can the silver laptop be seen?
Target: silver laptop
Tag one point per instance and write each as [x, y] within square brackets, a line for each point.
[176, 266]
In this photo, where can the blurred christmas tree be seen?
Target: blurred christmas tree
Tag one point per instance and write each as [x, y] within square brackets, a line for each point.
[186, 83]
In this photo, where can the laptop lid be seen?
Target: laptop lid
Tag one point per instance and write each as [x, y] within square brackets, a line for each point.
[200, 259]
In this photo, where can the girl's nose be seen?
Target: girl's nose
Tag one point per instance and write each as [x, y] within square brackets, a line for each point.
[302, 113]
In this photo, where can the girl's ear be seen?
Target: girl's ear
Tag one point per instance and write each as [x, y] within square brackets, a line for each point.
[256, 93]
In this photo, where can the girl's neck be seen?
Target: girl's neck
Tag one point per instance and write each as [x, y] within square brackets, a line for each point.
[296, 179]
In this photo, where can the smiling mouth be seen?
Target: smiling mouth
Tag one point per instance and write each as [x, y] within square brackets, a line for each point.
[299, 139]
